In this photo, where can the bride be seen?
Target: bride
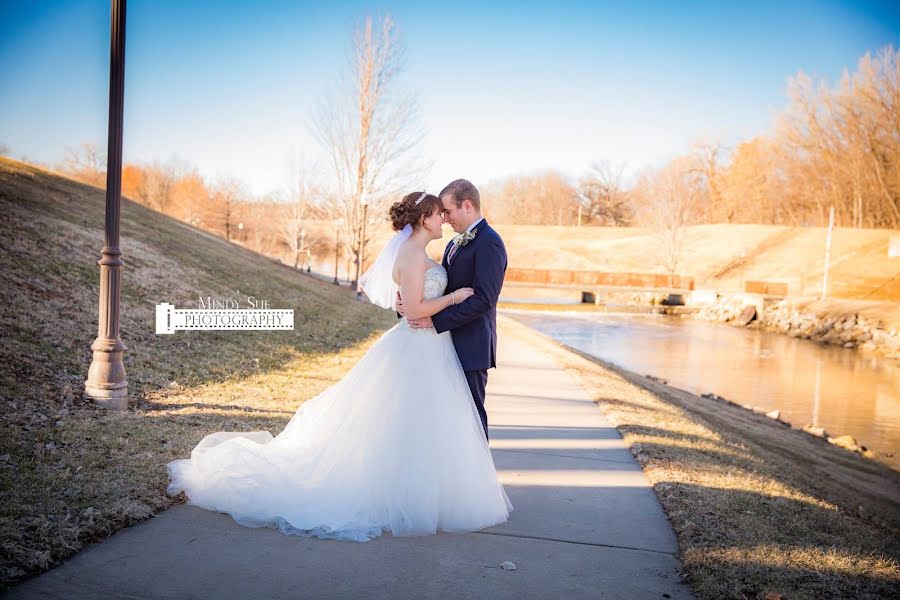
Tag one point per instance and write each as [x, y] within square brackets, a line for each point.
[395, 446]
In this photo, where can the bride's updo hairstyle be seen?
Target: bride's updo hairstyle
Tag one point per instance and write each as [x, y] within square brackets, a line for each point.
[407, 212]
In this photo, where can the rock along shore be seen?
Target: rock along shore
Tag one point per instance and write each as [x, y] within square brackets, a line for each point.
[815, 320]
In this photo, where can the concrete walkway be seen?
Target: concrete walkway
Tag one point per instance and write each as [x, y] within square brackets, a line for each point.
[586, 524]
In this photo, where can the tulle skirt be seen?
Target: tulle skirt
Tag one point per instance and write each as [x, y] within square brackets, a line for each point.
[395, 446]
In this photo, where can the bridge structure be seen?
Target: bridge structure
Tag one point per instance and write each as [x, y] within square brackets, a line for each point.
[595, 283]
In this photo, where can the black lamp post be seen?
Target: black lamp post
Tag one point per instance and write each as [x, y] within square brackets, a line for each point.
[106, 383]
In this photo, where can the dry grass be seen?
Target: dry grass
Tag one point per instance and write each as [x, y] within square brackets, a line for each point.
[72, 473]
[757, 507]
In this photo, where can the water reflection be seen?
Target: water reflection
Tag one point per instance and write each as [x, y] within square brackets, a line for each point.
[842, 390]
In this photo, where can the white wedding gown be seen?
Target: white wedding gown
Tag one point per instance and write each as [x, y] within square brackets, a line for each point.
[396, 445]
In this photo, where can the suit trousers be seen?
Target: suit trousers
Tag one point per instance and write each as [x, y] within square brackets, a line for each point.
[477, 381]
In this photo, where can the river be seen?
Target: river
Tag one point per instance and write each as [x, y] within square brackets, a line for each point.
[840, 389]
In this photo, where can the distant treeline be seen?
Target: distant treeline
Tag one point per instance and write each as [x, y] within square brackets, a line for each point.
[832, 146]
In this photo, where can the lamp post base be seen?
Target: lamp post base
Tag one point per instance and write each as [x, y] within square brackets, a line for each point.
[106, 384]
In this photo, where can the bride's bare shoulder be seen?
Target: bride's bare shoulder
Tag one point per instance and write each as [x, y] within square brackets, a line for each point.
[410, 259]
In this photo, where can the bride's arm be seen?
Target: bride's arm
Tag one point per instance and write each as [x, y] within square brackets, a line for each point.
[412, 288]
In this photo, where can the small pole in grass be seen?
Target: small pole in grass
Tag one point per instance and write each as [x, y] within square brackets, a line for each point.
[827, 254]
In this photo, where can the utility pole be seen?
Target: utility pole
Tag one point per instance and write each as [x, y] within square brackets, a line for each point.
[827, 254]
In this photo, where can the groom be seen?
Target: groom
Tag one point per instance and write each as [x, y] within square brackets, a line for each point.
[475, 258]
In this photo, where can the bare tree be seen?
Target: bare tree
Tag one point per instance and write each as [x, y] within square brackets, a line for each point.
[4, 149]
[293, 215]
[260, 228]
[866, 106]
[602, 195]
[189, 197]
[841, 147]
[833, 146]
[157, 186]
[667, 203]
[508, 200]
[540, 198]
[371, 133]
[709, 159]
[87, 164]
[227, 194]
[748, 189]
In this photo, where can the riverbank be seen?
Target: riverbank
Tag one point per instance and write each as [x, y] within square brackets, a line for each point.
[869, 326]
[757, 507]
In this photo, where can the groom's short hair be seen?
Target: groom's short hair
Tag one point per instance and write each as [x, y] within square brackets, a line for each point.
[461, 190]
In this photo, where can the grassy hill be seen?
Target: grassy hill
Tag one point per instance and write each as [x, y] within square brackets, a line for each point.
[71, 472]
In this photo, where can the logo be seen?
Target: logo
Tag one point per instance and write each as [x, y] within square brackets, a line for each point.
[227, 316]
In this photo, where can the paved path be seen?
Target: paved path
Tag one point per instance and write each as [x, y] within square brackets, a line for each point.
[586, 524]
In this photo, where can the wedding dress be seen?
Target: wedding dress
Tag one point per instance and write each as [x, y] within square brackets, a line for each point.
[395, 446]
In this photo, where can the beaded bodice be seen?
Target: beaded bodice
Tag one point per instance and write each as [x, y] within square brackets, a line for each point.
[435, 281]
[434, 286]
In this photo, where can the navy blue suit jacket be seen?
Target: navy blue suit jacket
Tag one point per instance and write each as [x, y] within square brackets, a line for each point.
[480, 264]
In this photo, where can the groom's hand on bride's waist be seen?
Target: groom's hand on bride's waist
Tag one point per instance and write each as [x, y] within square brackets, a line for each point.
[422, 323]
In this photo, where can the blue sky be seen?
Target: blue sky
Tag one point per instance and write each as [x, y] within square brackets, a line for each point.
[507, 88]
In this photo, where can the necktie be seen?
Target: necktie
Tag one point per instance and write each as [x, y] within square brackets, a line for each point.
[452, 252]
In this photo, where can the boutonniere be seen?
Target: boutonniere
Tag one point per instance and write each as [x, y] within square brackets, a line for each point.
[462, 239]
